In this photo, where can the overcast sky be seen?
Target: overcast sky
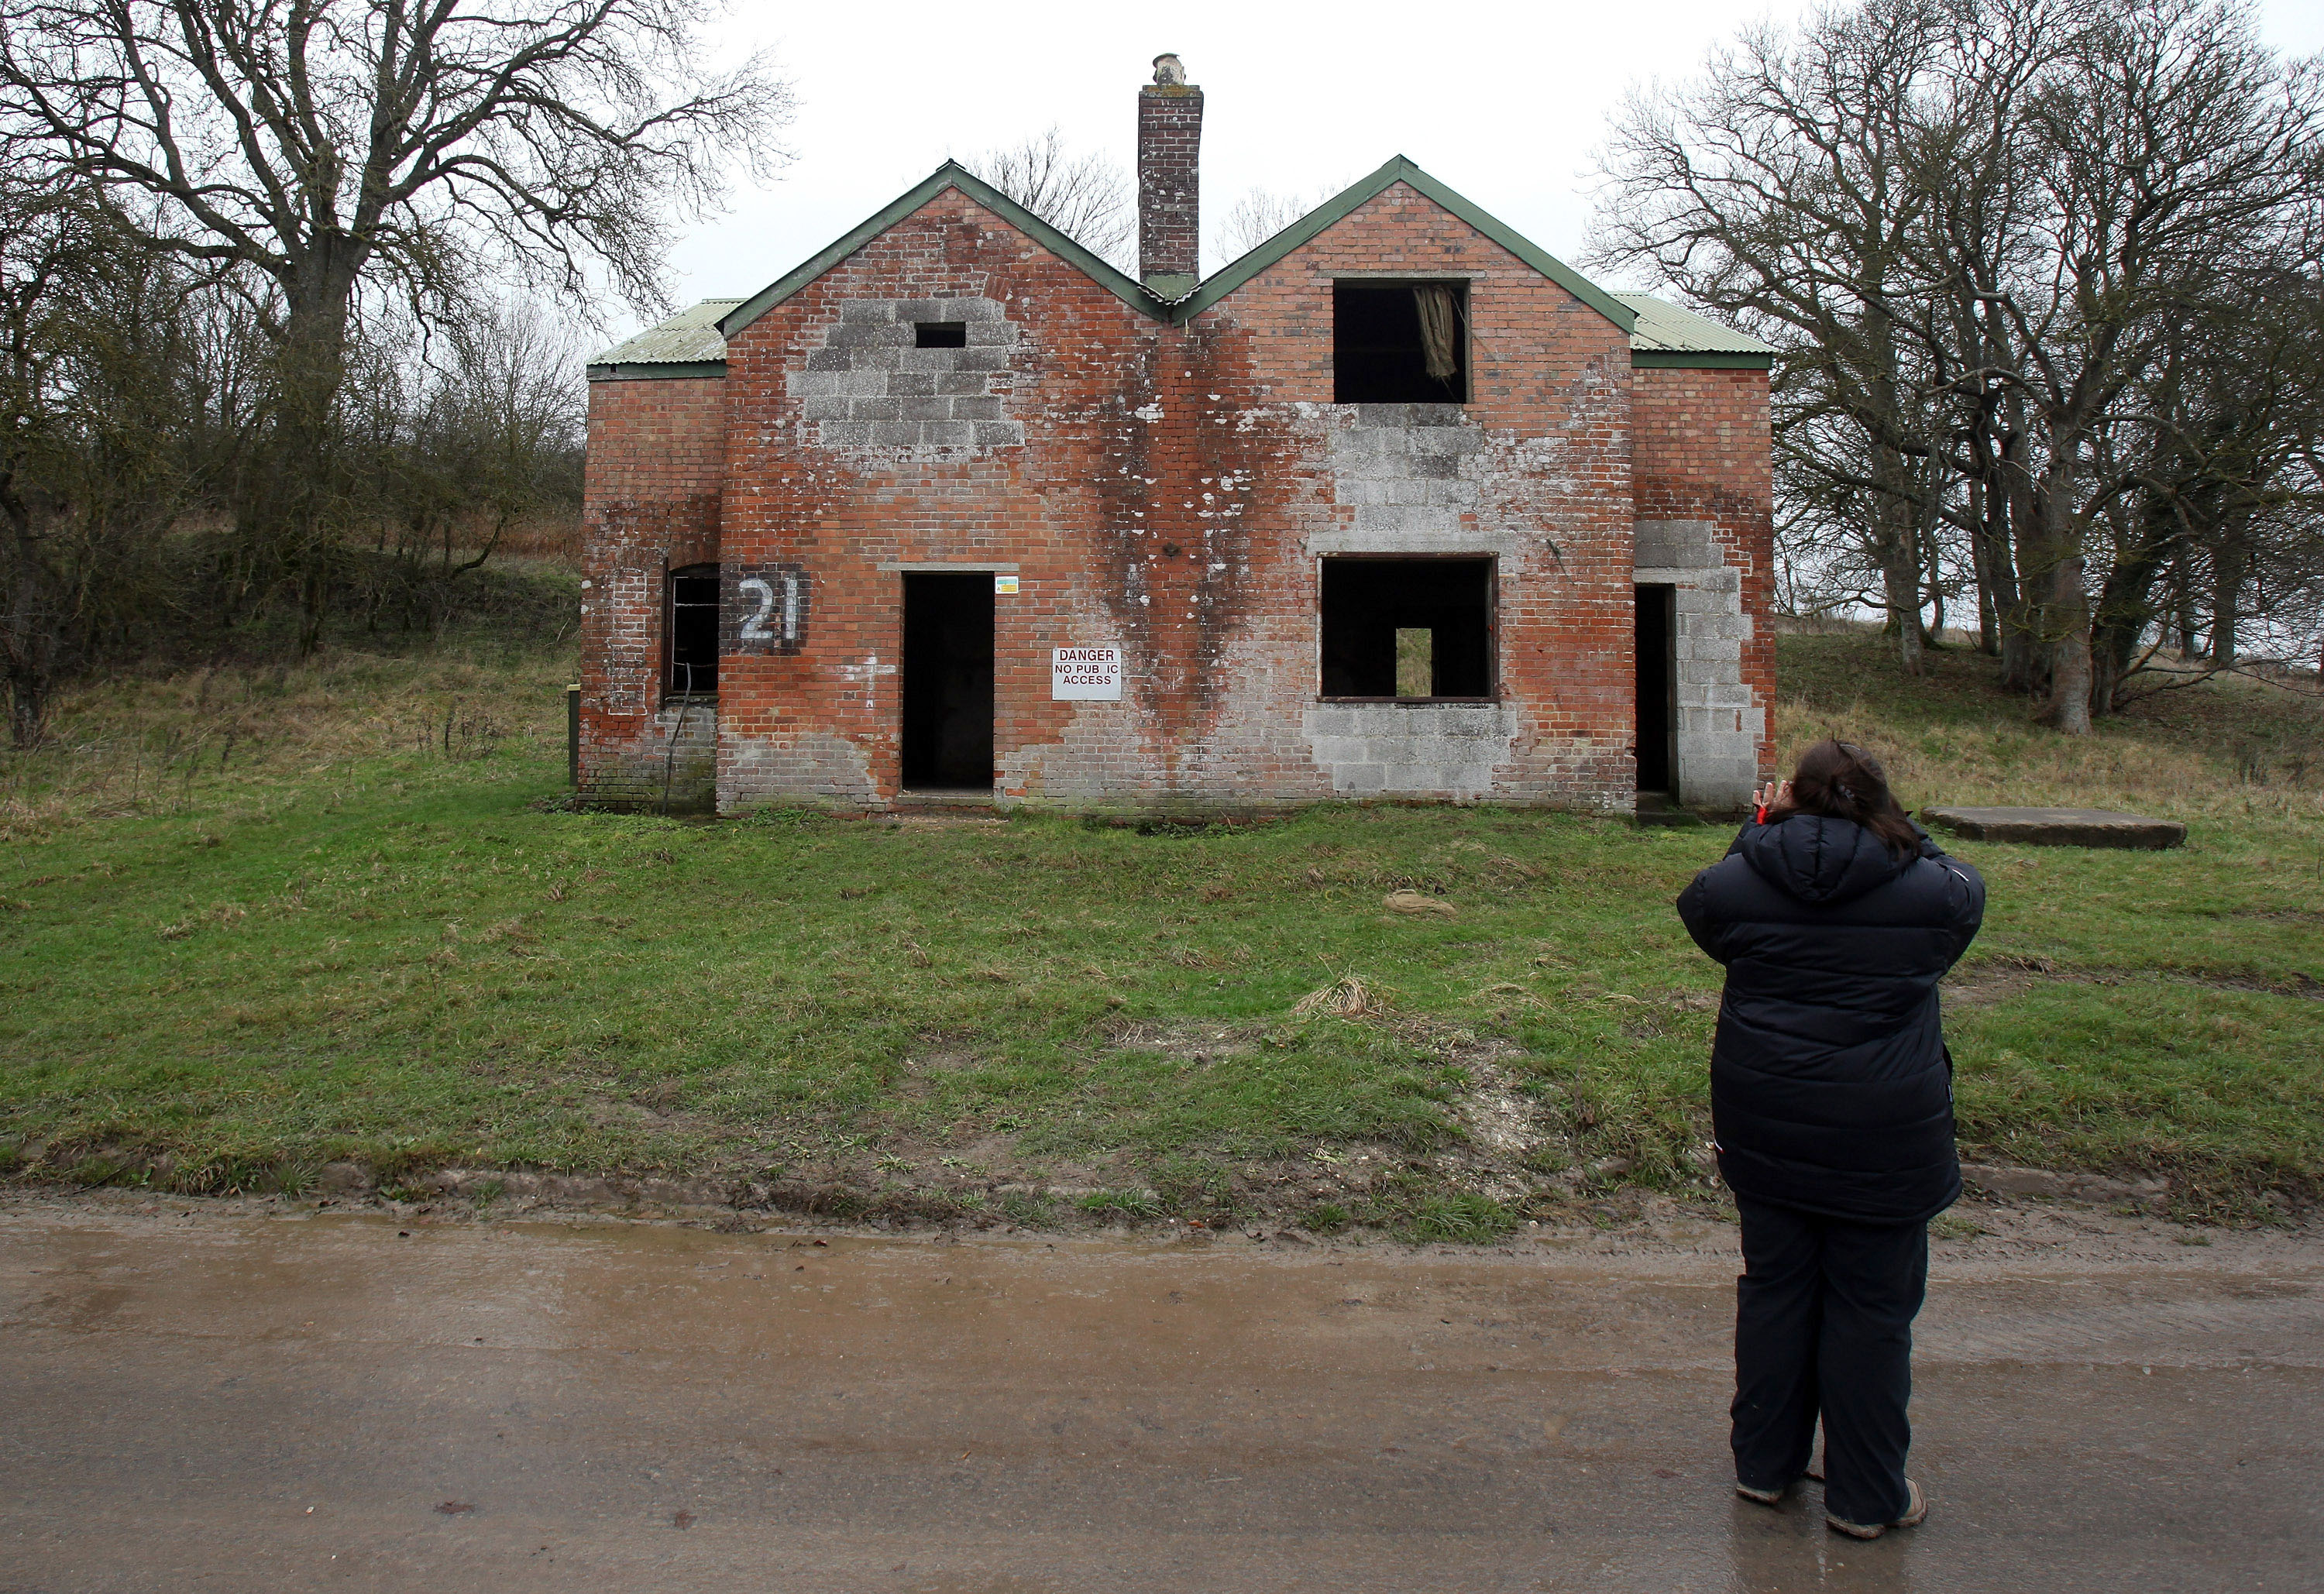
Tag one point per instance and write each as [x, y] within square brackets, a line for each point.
[1506, 102]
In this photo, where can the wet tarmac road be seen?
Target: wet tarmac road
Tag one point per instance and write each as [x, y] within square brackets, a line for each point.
[257, 1403]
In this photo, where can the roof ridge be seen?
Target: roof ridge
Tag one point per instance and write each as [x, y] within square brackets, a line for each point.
[952, 174]
[1340, 206]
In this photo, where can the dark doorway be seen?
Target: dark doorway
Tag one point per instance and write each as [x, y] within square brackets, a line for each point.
[1657, 648]
[1412, 629]
[948, 682]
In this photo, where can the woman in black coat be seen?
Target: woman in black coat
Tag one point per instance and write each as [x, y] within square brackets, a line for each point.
[1832, 1098]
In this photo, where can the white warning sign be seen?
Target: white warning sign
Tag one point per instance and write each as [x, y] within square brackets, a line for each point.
[1090, 675]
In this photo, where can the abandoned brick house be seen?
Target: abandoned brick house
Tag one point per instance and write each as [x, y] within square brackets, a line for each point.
[1396, 505]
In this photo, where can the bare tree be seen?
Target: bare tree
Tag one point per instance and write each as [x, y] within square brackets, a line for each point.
[1085, 197]
[427, 149]
[95, 357]
[1975, 228]
[1257, 216]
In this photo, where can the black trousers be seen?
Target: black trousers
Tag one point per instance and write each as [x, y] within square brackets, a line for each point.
[1824, 1326]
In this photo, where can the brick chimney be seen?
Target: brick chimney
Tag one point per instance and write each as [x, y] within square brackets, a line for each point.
[1169, 182]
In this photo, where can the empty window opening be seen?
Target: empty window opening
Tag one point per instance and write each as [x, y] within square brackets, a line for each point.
[940, 334]
[1400, 343]
[1657, 653]
[693, 630]
[948, 682]
[1408, 629]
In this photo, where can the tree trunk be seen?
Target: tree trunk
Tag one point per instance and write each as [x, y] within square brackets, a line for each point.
[2126, 607]
[2226, 596]
[1989, 619]
[30, 643]
[2069, 611]
[1900, 575]
[287, 521]
[2016, 545]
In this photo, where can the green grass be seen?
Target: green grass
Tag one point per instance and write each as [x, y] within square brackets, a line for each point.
[357, 943]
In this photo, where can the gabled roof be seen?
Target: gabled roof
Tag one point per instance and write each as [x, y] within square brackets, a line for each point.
[1341, 206]
[693, 343]
[950, 175]
[1666, 335]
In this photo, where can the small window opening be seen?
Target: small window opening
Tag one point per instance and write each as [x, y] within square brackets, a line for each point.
[1408, 629]
[1401, 342]
[940, 334]
[693, 630]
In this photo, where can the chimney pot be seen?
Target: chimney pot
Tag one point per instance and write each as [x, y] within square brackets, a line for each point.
[1169, 186]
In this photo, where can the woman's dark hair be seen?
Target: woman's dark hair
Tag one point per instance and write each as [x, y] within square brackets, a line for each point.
[1840, 780]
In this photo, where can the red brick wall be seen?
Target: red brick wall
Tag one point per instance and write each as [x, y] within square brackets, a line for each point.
[1550, 387]
[1703, 451]
[657, 457]
[1174, 489]
[1171, 494]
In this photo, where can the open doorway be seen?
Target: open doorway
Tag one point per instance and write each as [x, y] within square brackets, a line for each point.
[1657, 654]
[948, 682]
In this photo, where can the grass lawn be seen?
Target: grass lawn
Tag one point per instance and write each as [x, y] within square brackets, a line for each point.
[368, 937]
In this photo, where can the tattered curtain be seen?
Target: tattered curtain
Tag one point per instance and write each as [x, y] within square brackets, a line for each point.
[1440, 329]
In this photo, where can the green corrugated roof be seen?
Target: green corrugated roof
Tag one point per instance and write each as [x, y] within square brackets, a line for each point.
[688, 338]
[1665, 329]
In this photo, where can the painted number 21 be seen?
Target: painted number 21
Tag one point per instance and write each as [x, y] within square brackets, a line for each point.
[762, 590]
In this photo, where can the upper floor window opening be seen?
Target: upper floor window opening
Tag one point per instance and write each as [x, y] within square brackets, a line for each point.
[1399, 342]
[940, 334]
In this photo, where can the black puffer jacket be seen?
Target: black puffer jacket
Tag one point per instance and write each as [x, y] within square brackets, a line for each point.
[1830, 1088]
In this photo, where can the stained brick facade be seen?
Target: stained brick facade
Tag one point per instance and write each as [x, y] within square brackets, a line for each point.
[1167, 479]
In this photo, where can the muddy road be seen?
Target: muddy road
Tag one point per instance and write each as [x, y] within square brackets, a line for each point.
[207, 1397]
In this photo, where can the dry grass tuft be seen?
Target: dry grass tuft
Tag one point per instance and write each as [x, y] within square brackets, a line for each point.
[1345, 998]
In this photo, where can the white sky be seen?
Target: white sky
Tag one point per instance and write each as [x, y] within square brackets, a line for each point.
[1506, 102]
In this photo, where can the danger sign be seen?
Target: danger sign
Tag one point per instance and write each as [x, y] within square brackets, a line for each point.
[1091, 675]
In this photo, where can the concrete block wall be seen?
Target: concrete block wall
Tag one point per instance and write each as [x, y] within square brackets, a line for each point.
[869, 388]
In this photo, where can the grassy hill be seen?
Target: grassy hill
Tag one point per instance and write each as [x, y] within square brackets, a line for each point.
[254, 921]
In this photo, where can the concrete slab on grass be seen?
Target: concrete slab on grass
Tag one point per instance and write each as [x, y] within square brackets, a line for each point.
[2058, 827]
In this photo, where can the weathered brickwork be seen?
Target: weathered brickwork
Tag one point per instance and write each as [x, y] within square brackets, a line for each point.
[656, 458]
[1705, 509]
[1169, 488]
[1170, 208]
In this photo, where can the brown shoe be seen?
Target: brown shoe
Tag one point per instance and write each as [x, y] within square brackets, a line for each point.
[1761, 1497]
[1917, 1511]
